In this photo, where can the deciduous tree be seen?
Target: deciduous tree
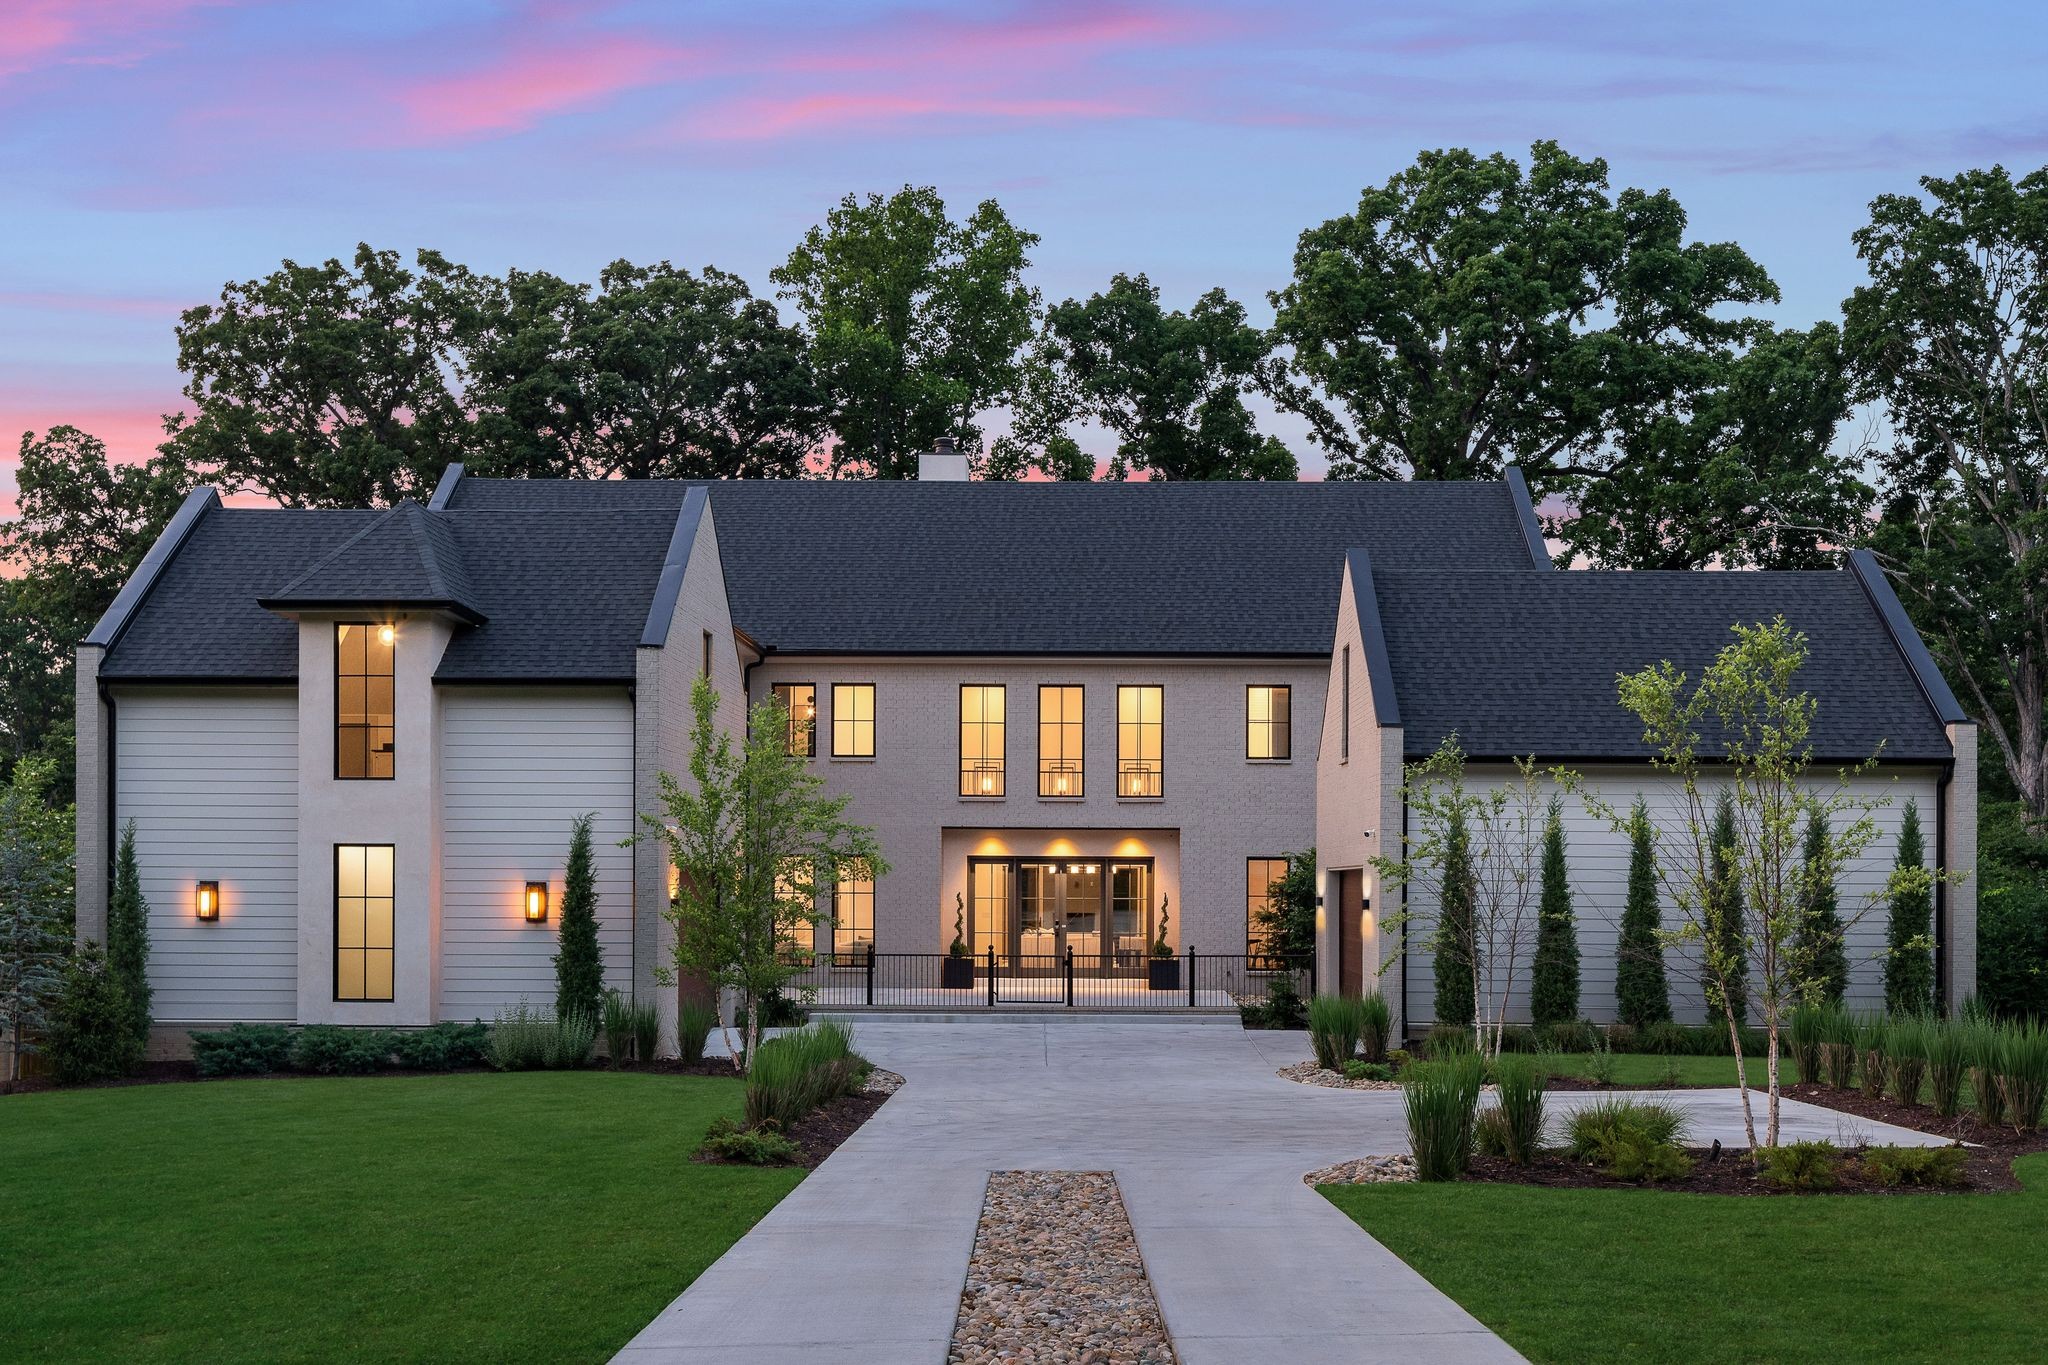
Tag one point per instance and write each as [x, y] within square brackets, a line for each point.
[916, 322]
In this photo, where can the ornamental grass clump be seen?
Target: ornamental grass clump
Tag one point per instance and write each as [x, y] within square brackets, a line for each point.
[694, 1022]
[1906, 1055]
[1838, 1047]
[1630, 1140]
[1982, 1039]
[1808, 1032]
[527, 1038]
[1871, 1042]
[2023, 1074]
[1375, 1026]
[1947, 1049]
[793, 1074]
[1442, 1100]
[1448, 1040]
[1333, 1029]
[1519, 1081]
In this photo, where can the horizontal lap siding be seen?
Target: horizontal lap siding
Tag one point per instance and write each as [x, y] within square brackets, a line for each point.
[1598, 860]
[211, 782]
[517, 767]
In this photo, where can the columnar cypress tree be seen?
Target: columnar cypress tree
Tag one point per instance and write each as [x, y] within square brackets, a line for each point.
[1819, 957]
[579, 965]
[1909, 942]
[1642, 995]
[1554, 988]
[128, 937]
[1725, 916]
[1455, 950]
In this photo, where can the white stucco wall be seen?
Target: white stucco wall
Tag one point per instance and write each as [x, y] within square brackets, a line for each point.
[210, 778]
[519, 764]
[1598, 858]
[1221, 808]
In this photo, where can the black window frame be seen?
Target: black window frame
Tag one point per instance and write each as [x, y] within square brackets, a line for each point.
[1254, 945]
[366, 729]
[778, 690]
[1002, 757]
[335, 962]
[1158, 776]
[1286, 730]
[1080, 756]
[871, 722]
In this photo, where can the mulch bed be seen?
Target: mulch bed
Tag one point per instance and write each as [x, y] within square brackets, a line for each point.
[833, 1123]
[1963, 1127]
[1583, 1083]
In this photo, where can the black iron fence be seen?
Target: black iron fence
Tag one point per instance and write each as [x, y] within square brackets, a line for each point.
[866, 979]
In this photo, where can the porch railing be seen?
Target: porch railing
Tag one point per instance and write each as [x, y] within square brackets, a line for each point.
[869, 980]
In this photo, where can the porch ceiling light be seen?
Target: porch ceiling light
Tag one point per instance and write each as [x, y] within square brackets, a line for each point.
[206, 900]
[536, 902]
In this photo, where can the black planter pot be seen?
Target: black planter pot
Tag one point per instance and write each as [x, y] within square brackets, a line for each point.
[956, 974]
[1162, 973]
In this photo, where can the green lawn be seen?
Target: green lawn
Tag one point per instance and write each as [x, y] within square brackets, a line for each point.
[1644, 1068]
[1643, 1276]
[540, 1216]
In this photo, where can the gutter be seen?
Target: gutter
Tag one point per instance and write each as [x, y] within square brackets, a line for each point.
[115, 621]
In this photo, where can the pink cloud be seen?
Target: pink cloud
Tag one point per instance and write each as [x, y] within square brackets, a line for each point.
[38, 34]
[105, 305]
[766, 117]
[520, 88]
[1063, 31]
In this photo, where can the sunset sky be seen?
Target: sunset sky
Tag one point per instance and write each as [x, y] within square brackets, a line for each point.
[152, 149]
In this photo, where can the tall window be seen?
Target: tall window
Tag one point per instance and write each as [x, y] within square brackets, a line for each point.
[801, 700]
[1259, 876]
[981, 740]
[1268, 723]
[362, 922]
[1140, 741]
[363, 708]
[1059, 741]
[1344, 713]
[853, 720]
[853, 915]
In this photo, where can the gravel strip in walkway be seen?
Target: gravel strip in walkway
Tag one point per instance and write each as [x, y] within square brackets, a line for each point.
[1367, 1170]
[1308, 1073]
[1056, 1279]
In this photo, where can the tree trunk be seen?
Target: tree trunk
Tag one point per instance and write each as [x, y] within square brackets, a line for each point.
[1742, 1084]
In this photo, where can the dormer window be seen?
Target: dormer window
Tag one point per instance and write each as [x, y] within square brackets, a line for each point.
[364, 714]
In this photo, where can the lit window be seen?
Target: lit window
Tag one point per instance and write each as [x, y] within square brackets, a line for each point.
[801, 701]
[1059, 741]
[362, 922]
[853, 720]
[363, 710]
[981, 740]
[1140, 741]
[1259, 876]
[796, 906]
[853, 915]
[1268, 727]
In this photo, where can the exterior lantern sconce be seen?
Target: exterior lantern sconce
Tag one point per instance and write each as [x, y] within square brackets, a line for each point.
[536, 902]
[206, 901]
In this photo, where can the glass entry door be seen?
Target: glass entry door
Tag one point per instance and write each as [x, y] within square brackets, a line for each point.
[1032, 910]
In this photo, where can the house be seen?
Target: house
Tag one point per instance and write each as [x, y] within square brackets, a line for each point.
[1082, 718]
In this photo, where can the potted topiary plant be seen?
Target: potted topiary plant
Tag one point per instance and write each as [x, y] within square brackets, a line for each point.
[1162, 968]
[956, 973]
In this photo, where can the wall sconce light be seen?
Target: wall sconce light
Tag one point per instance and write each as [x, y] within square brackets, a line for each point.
[387, 635]
[206, 901]
[536, 902]
[675, 881]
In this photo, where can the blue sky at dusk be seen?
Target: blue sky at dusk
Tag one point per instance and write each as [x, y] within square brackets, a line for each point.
[152, 149]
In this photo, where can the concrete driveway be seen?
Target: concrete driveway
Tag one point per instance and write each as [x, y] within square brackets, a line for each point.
[864, 1261]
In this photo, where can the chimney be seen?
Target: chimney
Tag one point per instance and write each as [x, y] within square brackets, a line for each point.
[942, 463]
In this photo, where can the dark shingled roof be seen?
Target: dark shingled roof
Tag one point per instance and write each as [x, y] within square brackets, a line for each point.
[1028, 568]
[407, 557]
[201, 619]
[1519, 663]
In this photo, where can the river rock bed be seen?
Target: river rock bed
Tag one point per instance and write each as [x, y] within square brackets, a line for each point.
[1056, 1279]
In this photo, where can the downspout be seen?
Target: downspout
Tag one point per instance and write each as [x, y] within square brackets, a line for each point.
[1941, 971]
[113, 786]
[1407, 1000]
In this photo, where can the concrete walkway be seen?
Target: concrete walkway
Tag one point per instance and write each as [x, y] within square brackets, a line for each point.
[864, 1261]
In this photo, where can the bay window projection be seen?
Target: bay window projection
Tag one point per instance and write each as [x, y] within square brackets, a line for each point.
[1259, 876]
[853, 720]
[364, 738]
[1059, 741]
[981, 740]
[801, 701]
[853, 915]
[1268, 723]
[1140, 741]
[363, 944]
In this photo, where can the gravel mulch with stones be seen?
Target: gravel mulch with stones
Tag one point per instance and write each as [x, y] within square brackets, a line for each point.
[1056, 1279]
[882, 1082]
[1308, 1073]
[1367, 1170]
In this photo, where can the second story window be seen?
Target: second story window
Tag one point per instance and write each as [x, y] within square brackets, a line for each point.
[1268, 727]
[1140, 741]
[801, 700]
[853, 720]
[364, 713]
[981, 740]
[1060, 733]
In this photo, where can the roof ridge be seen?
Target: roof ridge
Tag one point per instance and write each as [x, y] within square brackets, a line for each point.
[337, 552]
